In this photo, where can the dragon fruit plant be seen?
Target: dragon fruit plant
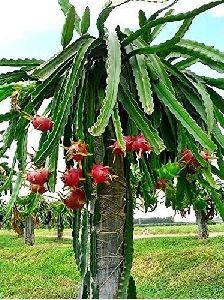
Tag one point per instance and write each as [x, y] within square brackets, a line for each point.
[131, 104]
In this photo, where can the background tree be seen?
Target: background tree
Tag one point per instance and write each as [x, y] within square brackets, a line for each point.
[61, 218]
[192, 196]
[116, 86]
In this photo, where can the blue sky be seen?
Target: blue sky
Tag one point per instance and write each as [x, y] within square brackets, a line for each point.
[43, 42]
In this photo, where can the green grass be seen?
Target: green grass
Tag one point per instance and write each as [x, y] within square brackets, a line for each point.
[52, 232]
[164, 267]
[176, 229]
[44, 271]
[179, 267]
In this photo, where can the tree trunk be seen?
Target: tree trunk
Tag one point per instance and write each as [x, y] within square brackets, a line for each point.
[202, 224]
[110, 230]
[60, 226]
[29, 231]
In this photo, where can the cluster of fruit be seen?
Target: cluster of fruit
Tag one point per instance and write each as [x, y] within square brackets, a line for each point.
[72, 178]
[188, 161]
[100, 173]
[132, 143]
[78, 151]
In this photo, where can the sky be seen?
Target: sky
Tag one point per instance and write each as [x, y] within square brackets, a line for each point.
[32, 29]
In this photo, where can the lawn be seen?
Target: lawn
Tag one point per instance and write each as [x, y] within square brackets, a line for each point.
[44, 271]
[164, 267]
[142, 230]
[176, 229]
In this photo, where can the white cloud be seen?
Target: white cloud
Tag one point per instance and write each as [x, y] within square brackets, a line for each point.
[127, 15]
[218, 11]
[19, 18]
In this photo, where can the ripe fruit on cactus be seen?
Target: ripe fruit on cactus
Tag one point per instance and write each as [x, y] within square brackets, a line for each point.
[72, 177]
[205, 155]
[76, 199]
[100, 173]
[141, 145]
[116, 148]
[38, 176]
[42, 123]
[36, 188]
[77, 151]
[161, 184]
[189, 158]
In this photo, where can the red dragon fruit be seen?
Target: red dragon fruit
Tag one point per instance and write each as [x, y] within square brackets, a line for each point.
[100, 173]
[205, 155]
[38, 176]
[76, 199]
[72, 177]
[77, 151]
[161, 184]
[189, 158]
[36, 188]
[42, 123]
[116, 148]
[141, 145]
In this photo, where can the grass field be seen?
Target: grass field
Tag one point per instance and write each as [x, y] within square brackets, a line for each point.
[164, 267]
[174, 229]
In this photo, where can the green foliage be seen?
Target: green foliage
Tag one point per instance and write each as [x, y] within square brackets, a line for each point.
[120, 82]
[138, 117]
[64, 108]
[68, 28]
[7, 183]
[7, 116]
[15, 192]
[157, 29]
[65, 5]
[56, 62]
[113, 78]
[15, 76]
[142, 81]
[52, 167]
[84, 244]
[6, 91]
[207, 54]
[79, 115]
[4, 62]
[104, 14]
[170, 18]
[118, 128]
[181, 114]
[169, 170]
[216, 82]
[76, 223]
[132, 294]
[85, 22]
[167, 44]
